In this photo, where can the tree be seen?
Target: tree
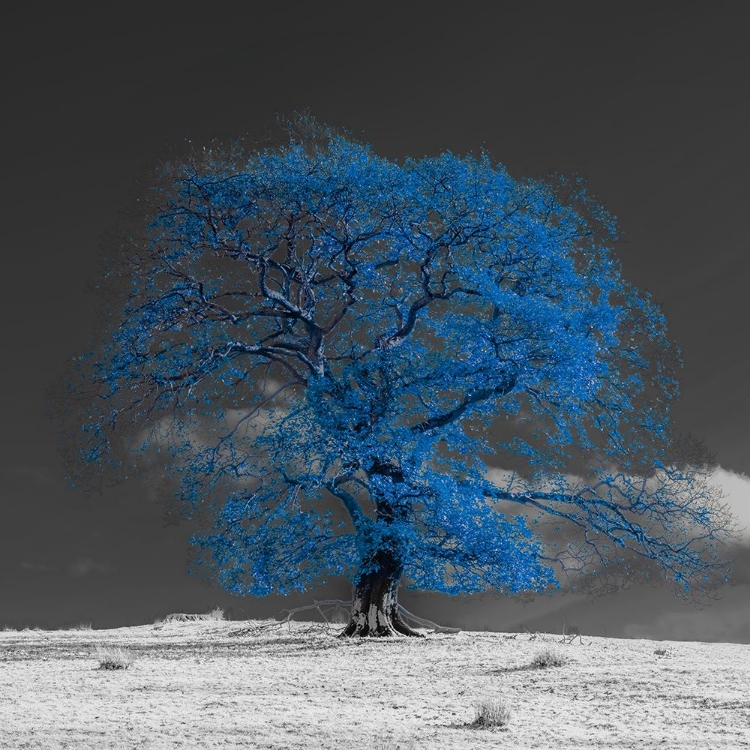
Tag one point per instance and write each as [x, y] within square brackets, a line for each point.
[326, 348]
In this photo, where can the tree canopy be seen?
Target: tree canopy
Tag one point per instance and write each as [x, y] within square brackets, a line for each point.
[420, 369]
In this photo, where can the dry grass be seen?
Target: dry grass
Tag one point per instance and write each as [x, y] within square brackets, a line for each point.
[113, 657]
[550, 657]
[491, 713]
[215, 615]
[198, 685]
[391, 744]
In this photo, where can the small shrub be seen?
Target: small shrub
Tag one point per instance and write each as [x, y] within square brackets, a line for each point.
[391, 744]
[548, 658]
[491, 713]
[113, 657]
[83, 626]
[217, 613]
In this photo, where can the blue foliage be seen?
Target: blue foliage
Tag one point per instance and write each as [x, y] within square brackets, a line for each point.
[331, 346]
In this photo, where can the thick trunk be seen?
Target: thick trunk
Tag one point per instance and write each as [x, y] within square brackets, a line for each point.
[375, 608]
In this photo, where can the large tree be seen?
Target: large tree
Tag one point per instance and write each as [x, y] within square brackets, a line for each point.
[394, 371]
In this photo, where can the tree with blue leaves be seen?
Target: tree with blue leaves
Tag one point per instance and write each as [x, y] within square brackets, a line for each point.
[421, 371]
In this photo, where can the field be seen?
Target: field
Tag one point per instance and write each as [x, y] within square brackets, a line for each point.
[221, 684]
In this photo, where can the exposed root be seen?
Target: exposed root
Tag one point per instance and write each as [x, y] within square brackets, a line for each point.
[398, 625]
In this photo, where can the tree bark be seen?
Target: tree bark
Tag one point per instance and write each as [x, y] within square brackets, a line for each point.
[375, 608]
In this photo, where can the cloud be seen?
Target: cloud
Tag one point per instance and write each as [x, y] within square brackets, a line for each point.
[85, 566]
[38, 567]
[736, 489]
[201, 430]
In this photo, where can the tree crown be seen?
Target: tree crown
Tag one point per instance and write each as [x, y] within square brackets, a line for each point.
[331, 346]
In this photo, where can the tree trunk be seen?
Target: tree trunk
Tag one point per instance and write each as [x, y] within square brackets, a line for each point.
[375, 601]
[375, 608]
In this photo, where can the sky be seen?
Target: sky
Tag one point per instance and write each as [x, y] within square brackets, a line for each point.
[647, 101]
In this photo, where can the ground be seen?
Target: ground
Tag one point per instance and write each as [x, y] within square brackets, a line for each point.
[247, 685]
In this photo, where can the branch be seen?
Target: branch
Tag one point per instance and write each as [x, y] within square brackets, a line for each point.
[667, 531]
[347, 500]
[474, 398]
[280, 299]
[427, 623]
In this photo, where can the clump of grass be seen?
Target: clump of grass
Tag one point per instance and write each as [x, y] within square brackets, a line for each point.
[215, 614]
[391, 744]
[113, 657]
[83, 626]
[491, 713]
[550, 657]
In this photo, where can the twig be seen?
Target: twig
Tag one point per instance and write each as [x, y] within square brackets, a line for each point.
[570, 637]
[317, 606]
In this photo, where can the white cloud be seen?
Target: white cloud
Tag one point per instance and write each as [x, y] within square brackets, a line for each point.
[84, 566]
[736, 490]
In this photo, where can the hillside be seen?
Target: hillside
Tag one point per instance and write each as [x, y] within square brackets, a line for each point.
[253, 685]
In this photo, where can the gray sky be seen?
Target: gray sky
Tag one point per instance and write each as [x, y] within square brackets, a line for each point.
[647, 101]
